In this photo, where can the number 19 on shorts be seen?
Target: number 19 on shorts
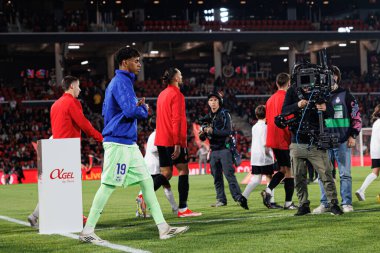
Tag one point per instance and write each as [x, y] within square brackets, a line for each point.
[121, 168]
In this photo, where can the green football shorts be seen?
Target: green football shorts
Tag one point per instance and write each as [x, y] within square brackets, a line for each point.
[123, 165]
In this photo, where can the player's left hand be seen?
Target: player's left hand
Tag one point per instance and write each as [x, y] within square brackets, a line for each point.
[141, 102]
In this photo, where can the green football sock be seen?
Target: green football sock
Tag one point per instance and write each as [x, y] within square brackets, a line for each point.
[101, 197]
[151, 200]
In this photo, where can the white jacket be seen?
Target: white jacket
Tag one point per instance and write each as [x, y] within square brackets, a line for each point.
[260, 155]
[151, 155]
[375, 140]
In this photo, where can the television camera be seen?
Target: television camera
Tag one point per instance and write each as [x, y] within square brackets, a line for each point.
[312, 82]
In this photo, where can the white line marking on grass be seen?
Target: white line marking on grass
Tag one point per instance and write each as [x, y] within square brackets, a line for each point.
[76, 237]
[15, 221]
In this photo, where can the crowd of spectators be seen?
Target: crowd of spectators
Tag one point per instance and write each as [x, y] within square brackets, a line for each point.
[24, 123]
[90, 20]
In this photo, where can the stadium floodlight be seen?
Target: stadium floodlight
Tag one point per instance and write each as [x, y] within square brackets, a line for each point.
[342, 44]
[223, 15]
[73, 47]
[154, 52]
[224, 19]
[285, 59]
[353, 42]
[84, 62]
[284, 48]
[344, 29]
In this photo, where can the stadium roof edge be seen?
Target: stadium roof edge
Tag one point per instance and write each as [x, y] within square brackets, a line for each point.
[34, 37]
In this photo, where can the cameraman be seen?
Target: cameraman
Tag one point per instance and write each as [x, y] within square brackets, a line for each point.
[217, 127]
[303, 146]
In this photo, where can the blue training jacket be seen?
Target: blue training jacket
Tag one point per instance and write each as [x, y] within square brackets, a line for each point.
[120, 111]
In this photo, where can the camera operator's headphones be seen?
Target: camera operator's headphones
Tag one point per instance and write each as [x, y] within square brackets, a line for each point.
[218, 95]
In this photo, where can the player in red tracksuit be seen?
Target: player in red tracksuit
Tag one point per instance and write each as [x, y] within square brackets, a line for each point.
[279, 140]
[171, 137]
[67, 121]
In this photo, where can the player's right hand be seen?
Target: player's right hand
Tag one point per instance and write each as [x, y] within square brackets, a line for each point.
[177, 152]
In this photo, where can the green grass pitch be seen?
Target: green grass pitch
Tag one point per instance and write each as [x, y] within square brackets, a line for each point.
[224, 229]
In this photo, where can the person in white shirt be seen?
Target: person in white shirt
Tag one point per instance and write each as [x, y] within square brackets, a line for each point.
[262, 158]
[375, 154]
[153, 164]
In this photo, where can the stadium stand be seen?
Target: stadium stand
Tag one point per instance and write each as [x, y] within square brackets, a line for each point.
[23, 123]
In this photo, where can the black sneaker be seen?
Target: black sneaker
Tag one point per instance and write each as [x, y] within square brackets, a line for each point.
[243, 202]
[266, 199]
[335, 210]
[275, 206]
[303, 210]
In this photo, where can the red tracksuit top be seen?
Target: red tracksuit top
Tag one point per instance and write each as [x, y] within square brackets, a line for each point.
[67, 119]
[171, 123]
[276, 137]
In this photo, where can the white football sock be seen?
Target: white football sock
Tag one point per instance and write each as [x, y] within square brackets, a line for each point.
[36, 212]
[288, 203]
[169, 195]
[369, 179]
[272, 196]
[163, 227]
[88, 229]
[253, 183]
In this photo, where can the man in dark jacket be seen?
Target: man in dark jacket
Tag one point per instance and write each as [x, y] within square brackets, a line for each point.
[219, 128]
[303, 147]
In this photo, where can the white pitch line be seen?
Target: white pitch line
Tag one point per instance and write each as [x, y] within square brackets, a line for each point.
[76, 237]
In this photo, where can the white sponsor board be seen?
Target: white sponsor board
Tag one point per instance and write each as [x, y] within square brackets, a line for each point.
[60, 186]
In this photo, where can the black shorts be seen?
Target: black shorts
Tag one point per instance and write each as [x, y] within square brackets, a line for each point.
[263, 170]
[282, 157]
[165, 156]
[375, 163]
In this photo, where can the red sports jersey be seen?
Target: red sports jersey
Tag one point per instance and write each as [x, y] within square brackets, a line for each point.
[171, 124]
[276, 137]
[67, 119]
